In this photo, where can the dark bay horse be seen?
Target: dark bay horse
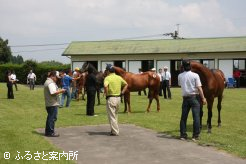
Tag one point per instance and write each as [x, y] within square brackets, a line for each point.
[99, 77]
[138, 82]
[213, 84]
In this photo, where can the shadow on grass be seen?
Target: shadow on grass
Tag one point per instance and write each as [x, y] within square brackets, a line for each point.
[38, 132]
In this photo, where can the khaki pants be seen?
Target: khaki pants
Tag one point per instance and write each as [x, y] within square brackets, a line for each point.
[113, 104]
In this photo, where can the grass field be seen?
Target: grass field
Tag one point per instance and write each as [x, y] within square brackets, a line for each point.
[21, 116]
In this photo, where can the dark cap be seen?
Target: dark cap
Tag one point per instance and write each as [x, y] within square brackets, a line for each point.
[110, 68]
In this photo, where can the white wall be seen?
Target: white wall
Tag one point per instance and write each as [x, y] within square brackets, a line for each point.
[77, 64]
[227, 67]
[134, 66]
[162, 63]
[104, 64]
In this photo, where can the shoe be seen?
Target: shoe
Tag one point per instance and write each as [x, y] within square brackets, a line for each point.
[183, 138]
[113, 134]
[195, 139]
[95, 115]
[52, 135]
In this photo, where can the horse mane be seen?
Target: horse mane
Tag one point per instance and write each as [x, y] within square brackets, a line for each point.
[86, 65]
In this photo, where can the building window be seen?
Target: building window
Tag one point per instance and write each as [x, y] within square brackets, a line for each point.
[208, 63]
[239, 64]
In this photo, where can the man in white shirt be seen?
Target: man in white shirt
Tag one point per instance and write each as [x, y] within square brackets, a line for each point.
[51, 93]
[192, 96]
[160, 76]
[166, 83]
[31, 78]
[13, 77]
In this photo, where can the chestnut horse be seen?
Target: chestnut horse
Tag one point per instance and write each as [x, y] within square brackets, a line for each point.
[138, 82]
[213, 84]
[99, 77]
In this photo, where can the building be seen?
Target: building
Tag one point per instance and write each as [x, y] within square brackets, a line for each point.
[225, 53]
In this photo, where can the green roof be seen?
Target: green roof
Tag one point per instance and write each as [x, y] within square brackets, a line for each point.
[200, 45]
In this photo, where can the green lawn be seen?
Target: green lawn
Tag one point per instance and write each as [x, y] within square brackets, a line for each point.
[20, 117]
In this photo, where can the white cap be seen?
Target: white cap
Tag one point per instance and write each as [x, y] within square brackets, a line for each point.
[165, 67]
[153, 69]
[57, 74]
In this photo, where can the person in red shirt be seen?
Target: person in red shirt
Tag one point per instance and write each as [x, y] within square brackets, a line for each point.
[237, 75]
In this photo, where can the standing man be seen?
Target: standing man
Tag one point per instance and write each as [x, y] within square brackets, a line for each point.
[166, 83]
[112, 88]
[160, 76]
[51, 93]
[13, 77]
[31, 78]
[237, 75]
[192, 96]
[90, 85]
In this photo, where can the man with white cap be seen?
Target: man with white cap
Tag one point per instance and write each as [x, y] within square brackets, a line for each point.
[51, 93]
[166, 83]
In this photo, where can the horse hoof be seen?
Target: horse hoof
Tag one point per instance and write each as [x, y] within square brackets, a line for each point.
[209, 131]
[219, 125]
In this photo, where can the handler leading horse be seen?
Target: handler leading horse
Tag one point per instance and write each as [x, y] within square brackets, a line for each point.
[138, 82]
[213, 84]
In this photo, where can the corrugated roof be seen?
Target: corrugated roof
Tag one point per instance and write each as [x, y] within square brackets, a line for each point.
[229, 44]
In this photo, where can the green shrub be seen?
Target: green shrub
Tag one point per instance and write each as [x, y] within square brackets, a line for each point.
[22, 71]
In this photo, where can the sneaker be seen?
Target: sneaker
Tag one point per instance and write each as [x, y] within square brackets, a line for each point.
[195, 139]
[113, 134]
[52, 135]
[183, 138]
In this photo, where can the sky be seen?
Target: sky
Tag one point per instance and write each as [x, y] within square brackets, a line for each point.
[53, 24]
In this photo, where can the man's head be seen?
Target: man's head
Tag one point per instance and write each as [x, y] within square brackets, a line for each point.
[54, 75]
[186, 64]
[110, 68]
[76, 69]
[160, 70]
[165, 68]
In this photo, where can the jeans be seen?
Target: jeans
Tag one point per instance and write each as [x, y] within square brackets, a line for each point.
[51, 118]
[193, 103]
[31, 84]
[68, 95]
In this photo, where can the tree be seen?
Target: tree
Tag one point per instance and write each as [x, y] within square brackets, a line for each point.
[5, 51]
[17, 59]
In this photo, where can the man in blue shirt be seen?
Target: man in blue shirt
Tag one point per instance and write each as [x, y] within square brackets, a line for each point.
[66, 82]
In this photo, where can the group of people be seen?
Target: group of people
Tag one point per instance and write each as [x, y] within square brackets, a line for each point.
[115, 86]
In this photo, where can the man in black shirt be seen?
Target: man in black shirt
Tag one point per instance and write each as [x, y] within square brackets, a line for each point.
[90, 85]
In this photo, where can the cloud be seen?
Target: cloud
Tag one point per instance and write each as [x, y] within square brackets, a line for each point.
[56, 21]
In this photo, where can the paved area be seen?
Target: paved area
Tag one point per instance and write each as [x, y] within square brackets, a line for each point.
[135, 145]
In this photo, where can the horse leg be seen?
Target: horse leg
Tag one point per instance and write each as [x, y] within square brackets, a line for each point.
[201, 114]
[219, 109]
[210, 114]
[150, 100]
[127, 102]
[98, 97]
[157, 101]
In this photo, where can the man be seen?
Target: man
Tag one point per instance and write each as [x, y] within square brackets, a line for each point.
[237, 75]
[51, 93]
[66, 81]
[91, 87]
[112, 88]
[192, 96]
[166, 83]
[13, 77]
[160, 76]
[76, 73]
[31, 78]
